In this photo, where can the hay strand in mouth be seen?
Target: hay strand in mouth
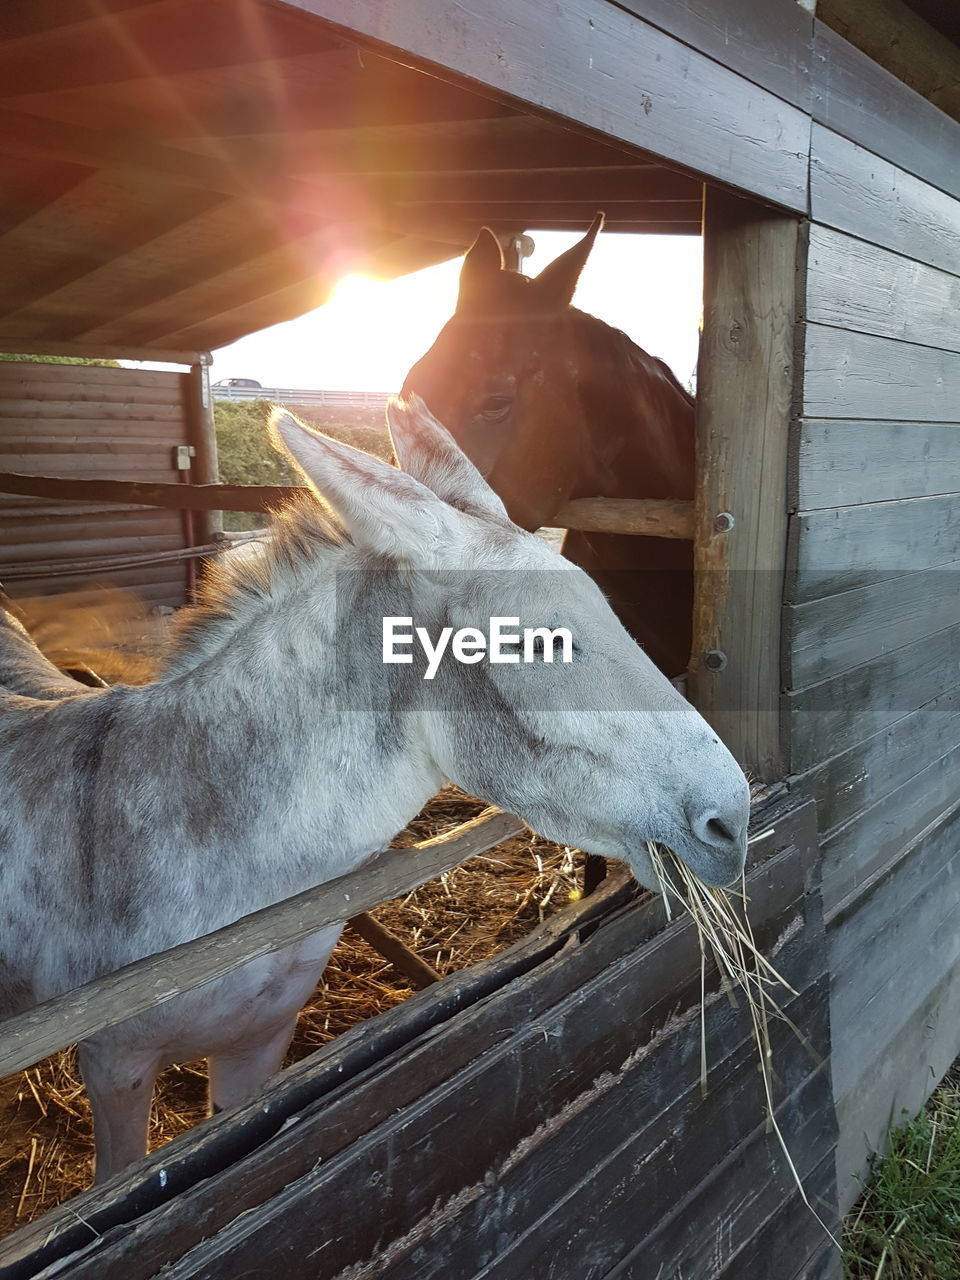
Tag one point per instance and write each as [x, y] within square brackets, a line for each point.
[727, 934]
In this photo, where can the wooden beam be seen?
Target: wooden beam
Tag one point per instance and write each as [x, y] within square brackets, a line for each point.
[533, 214]
[18, 345]
[594, 185]
[262, 254]
[154, 980]
[515, 145]
[203, 437]
[610, 72]
[391, 948]
[175, 497]
[891, 34]
[159, 217]
[651, 517]
[143, 41]
[745, 392]
[224, 322]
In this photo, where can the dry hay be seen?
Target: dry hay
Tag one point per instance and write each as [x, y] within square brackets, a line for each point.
[474, 911]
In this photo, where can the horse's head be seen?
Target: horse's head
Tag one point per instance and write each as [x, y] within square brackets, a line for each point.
[504, 377]
[599, 752]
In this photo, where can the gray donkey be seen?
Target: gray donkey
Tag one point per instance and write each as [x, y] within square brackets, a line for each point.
[277, 750]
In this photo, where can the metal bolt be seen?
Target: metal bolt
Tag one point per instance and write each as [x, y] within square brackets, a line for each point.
[723, 523]
[714, 660]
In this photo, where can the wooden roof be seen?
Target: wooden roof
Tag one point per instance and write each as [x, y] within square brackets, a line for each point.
[178, 173]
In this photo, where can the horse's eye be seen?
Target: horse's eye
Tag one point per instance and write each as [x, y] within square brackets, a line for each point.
[494, 408]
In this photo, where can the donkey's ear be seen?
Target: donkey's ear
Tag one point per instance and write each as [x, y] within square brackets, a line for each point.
[557, 282]
[428, 452]
[483, 264]
[383, 509]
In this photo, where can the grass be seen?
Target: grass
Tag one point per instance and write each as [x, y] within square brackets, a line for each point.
[906, 1225]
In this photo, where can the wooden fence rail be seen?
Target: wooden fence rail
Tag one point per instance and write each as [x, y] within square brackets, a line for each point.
[152, 981]
[654, 517]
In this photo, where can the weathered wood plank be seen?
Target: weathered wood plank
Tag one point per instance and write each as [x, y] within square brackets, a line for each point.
[130, 467]
[89, 392]
[843, 463]
[855, 375]
[80, 430]
[845, 548]
[656, 517]
[178, 497]
[788, 1244]
[854, 285]
[892, 958]
[855, 191]
[29, 555]
[35, 374]
[829, 717]
[893, 945]
[851, 782]
[806, 1122]
[771, 46]
[744, 404]
[871, 842]
[607, 70]
[40, 445]
[863, 101]
[895, 1083]
[537, 1186]
[127, 408]
[155, 979]
[19, 345]
[828, 636]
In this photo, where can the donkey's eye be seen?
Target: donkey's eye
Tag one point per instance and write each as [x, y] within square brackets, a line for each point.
[538, 646]
[494, 408]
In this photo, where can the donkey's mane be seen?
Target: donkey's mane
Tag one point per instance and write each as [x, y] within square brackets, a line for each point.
[238, 589]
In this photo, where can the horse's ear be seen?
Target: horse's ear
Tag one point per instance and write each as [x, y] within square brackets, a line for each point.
[557, 282]
[483, 263]
[383, 509]
[428, 452]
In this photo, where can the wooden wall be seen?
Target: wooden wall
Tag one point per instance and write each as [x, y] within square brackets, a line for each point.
[537, 1115]
[872, 620]
[90, 422]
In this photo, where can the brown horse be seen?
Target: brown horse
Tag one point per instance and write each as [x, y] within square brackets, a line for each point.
[552, 404]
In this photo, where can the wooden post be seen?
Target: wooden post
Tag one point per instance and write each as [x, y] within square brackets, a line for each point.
[208, 524]
[745, 390]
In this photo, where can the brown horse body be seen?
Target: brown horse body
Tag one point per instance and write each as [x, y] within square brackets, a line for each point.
[553, 404]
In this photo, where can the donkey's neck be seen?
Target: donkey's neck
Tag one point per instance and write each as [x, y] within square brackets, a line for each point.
[639, 421]
[287, 730]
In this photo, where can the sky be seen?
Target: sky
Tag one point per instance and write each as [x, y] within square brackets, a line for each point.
[370, 333]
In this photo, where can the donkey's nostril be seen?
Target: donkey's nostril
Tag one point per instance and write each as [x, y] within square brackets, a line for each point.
[719, 832]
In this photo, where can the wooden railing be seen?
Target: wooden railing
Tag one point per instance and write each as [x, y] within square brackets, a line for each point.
[655, 517]
[154, 980]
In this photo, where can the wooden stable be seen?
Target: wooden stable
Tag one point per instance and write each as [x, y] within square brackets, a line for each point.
[501, 1124]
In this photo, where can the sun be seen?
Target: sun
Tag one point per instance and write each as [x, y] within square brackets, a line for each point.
[370, 331]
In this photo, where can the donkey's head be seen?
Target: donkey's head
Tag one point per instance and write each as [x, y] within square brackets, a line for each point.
[573, 728]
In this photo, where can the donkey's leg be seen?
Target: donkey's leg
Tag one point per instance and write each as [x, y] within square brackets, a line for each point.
[240, 1072]
[120, 1088]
